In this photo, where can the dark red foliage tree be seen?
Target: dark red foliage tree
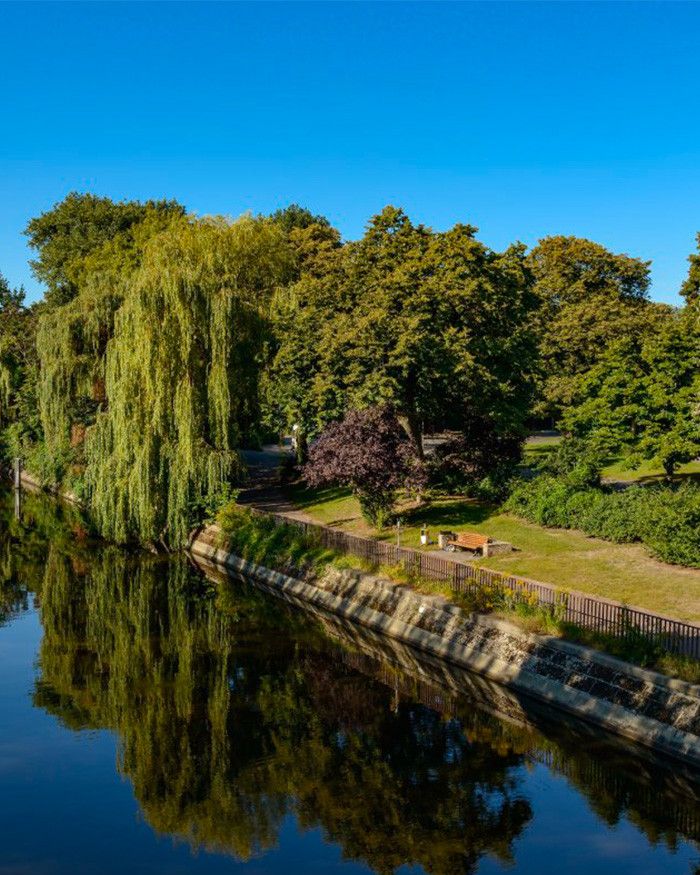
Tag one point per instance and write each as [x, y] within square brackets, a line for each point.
[370, 452]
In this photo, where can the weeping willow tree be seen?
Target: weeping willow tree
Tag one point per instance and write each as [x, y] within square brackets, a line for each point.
[181, 376]
[72, 340]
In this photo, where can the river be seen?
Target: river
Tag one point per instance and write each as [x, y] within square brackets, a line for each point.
[157, 717]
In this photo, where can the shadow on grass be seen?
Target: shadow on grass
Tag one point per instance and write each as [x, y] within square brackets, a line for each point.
[448, 514]
[305, 496]
[692, 476]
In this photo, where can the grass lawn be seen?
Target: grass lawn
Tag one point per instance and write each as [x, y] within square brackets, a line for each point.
[571, 560]
[537, 449]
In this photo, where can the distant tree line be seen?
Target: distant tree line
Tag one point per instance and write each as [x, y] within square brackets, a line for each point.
[164, 343]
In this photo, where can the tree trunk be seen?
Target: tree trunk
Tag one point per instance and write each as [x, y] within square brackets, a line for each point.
[412, 426]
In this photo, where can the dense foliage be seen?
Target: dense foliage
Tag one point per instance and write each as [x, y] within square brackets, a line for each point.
[589, 297]
[435, 324]
[642, 399]
[20, 424]
[67, 235]
[479, 461]
[664, 518]
[691, 287]
[181, 377]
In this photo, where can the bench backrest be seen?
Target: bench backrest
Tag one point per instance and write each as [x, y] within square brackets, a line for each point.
[470, 540]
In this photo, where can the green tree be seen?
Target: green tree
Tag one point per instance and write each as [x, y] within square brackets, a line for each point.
[294, 216]
[369, 452]
[643, 397]
[590, 297]
[435, 324]
[77, 226]
[691, 287]
[19, 419]
[181, 377]
[73, 337]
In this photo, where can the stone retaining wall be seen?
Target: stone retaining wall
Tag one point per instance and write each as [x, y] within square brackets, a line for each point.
[659, 712]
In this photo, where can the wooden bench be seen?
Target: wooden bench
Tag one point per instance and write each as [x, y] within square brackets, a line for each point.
[469, 541]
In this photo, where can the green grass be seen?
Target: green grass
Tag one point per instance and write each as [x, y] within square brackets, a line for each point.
[647, 471]
[567, 559]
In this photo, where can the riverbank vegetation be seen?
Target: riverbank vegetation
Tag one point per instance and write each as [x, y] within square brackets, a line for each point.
[165, 343]
[259, 539]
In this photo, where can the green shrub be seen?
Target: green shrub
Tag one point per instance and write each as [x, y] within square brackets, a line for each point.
[613, 517]
[576, 461]
[670, 524]
[582, 506]
[543, 501]
[666, 518]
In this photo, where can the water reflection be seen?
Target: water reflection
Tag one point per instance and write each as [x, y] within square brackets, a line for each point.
[234, 710]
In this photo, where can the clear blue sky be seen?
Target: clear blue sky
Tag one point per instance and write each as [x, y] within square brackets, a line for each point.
[523, 119]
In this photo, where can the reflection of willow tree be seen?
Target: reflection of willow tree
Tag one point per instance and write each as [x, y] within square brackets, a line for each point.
[227, 724]
[24, 545]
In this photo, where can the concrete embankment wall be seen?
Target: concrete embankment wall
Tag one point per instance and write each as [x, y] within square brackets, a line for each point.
[659, 712]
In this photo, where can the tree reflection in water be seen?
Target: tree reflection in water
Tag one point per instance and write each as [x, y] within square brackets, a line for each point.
[234, 711]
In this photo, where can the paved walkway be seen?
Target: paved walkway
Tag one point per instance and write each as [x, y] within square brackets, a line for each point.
[263, 490]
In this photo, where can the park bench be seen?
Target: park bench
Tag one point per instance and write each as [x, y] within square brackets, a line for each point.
[469, 541]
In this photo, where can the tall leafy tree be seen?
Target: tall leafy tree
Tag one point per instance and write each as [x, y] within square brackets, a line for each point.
[19, 420]
[691, 287]
[77, 226]
[181, 376]
[435, 324]
[643, 397]
[590, 297]
[369, 452]
[72, 338]
[295, 216]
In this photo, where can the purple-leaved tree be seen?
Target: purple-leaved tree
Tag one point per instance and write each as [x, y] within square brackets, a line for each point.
[370, 452]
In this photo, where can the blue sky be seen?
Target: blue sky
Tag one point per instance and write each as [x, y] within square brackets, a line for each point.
[523, 119]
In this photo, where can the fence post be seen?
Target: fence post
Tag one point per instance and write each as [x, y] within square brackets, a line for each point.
[18, 472]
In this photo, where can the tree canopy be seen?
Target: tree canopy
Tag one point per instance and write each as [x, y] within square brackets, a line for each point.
[369, 452]
[435, 324]
[691, 287]
[589, 297]
[643, 396]
[77, 226]
[181, 376]
[164, 343]
[19, 416]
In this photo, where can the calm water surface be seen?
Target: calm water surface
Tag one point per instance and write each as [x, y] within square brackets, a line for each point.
[154, 719]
